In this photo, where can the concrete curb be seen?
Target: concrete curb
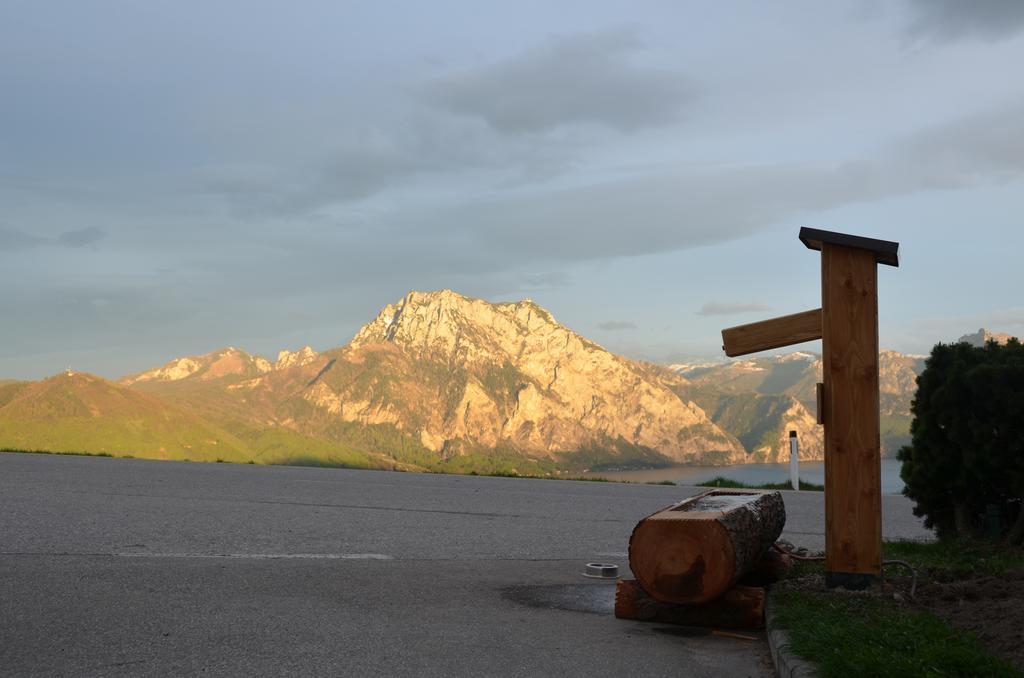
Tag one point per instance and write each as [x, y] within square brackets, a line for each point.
[787, 664]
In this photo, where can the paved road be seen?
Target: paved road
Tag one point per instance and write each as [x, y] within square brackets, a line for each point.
[131, 567]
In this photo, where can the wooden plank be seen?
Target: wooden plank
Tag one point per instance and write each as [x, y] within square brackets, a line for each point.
[853, 503]
[885, 251]
[774, 333]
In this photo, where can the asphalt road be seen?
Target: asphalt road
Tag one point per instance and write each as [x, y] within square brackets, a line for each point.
[132, 567]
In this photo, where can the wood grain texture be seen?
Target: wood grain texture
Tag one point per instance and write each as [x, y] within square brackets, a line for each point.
[741, 607]
[691, 553]
[853, 509]
[775, 333]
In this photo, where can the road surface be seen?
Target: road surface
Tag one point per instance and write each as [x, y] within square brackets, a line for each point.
[133, 567]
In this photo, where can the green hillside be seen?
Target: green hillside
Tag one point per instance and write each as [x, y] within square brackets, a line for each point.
[9, 389]
[85, 413]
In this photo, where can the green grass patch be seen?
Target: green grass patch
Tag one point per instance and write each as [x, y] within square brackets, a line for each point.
[955, 559]
[860, 636]
[940, 561]
[65, 454]
[721, 481]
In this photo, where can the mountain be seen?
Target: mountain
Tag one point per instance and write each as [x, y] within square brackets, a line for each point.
[252, 399]
[441, 379]
[983, 336]
[760, 400]
[9, 388]
[510, 374]
[228, 361]
[74, 412]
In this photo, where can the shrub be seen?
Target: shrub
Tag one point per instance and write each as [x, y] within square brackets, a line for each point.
[964, 467]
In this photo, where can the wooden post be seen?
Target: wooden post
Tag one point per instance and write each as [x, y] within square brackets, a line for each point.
[848, 398]
[853, 502]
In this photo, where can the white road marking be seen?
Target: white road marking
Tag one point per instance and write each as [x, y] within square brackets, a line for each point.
[262, 556]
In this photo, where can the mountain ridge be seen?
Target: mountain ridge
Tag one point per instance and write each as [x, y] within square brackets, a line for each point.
[441, 381]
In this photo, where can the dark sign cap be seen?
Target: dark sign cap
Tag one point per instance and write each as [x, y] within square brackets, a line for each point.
[885, 252]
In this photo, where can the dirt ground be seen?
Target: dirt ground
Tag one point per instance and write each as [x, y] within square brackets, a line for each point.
[990, 607]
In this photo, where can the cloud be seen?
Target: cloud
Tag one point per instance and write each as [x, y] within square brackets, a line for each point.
[956, 19]
[422, 149]
[81, 237]
[615, 325]
[510, 242]
[13, 240]
[430, 151]
[544, 281]
[653, 213]
[978, 148]
[567, 80]
[713, 308]
[471, 130]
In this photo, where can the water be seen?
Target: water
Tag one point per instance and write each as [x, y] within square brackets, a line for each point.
[752, 474]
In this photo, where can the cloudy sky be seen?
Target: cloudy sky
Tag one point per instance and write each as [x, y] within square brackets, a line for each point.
[180, 176]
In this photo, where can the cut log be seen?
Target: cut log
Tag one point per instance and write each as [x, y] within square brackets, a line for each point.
[694, 551]
[741, 607]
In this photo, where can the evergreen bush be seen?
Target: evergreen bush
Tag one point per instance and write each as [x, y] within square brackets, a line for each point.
[964, 467]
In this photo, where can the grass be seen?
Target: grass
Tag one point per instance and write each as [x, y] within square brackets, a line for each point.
[66, 454]
[515, 474]
[940, 561]
[954, 559]
[720, 481]
[860, 636]
[849, 635]
[317, 462]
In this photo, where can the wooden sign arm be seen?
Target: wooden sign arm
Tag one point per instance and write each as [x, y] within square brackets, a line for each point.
[774, 333]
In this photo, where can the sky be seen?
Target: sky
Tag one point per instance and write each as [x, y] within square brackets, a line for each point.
[180, 176]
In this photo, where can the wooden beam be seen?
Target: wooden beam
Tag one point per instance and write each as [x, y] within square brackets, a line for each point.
[853, 502]
[774, 333]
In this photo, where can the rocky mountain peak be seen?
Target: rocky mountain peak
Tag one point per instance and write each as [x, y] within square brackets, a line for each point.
[444, 323]
[220, 363]
[513, 374]
[303, 356]
[983, 336]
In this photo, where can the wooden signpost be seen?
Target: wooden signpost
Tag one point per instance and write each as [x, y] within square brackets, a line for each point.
[847, 324]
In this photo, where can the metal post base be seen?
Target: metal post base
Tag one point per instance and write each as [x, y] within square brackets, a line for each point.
[851, 581]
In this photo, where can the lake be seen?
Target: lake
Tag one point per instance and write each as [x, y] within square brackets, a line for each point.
[753, 474]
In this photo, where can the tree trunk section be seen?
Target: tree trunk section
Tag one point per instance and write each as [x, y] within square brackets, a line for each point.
[694, 551]
[741, 607]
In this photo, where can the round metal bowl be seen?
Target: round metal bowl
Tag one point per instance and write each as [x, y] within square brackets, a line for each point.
[601, 571]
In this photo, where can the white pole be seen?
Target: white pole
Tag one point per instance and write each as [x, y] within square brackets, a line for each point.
[794, 468]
